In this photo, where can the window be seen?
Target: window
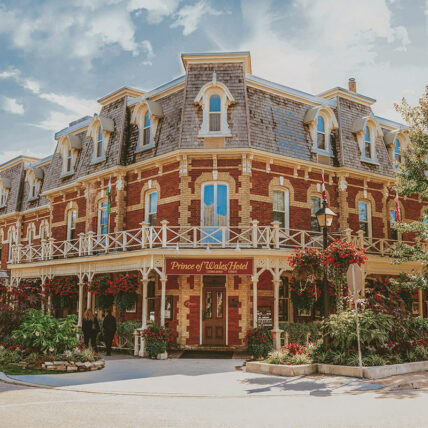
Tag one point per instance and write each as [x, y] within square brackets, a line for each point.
[214, 211]
[3, 198]
[392, 220]
[321, 137]
[152, 207]
[315, 207]
[33, 189]
[147, 130]
[397, 151]
[169, 305]
[71, 225]
[30, 236]
[102, 218]
[151, 300]
[44, 232]
[280, 207]
[368, 147]
[69, 161]
[11, 242]
[99, 148]
[283, 300]
[215, 113]
[364, 218]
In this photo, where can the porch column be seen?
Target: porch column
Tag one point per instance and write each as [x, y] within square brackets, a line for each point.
[276, 331]
[80, 307]
[255, 280]
[162, 311]
[50, 304]
[145, 282]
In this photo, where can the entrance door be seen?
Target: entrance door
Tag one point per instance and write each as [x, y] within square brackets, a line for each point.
[214, 315]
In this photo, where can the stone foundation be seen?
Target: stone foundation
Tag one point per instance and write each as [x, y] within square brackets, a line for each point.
[71, 366]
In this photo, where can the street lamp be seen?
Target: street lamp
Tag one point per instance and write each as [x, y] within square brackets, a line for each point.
[325, 218]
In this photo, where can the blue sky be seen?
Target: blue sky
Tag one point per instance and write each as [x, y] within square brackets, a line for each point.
[58, 57]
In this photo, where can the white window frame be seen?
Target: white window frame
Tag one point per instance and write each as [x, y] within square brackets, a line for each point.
[310, 202]
[44, 231]
[143, 131]
[30, 235]
[286, 213]
[100, 211]
[69, 161]
[11, 242]
[216, 113]
[369, 217]
[3, 197]
[147, 211]
[215, 183]
[70, 223]
[326, 134]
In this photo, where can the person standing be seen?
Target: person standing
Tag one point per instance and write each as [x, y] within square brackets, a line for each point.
[109, 328]
[90, 328]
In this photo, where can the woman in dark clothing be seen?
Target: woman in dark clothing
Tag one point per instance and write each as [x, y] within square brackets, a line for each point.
[90, 328]
[109, 328]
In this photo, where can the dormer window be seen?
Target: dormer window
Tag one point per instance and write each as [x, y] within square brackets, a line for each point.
[368, 146]
[147, 129]
[146, 115]
[100, 130]
[214, 98]
[33, 189]
[68, 147]
[397, 151]
[34, 179]
[320, 122]
[99, 147]
[3, 198]
[321, 140]
[215, 113]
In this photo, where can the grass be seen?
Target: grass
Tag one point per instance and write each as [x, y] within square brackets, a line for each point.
[16, 370]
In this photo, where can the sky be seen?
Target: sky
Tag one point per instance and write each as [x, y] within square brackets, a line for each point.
[58, 57]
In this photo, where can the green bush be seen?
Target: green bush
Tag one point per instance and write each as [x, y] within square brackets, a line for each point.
[298, 332]
[45, 334]
[125, 333]
[156, 340]
[259, 342]
[10, 319]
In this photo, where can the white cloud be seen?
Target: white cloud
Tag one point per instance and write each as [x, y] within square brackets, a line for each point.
[55, 121]
[157, 10]
[11, 105]
[189, 16]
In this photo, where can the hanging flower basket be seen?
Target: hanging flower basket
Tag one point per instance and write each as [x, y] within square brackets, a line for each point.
[64, 291]
[339, 255]
[306, 264]
[122, 291]
[304, 294]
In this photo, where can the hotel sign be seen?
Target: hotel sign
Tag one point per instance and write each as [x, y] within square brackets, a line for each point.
[209, 266]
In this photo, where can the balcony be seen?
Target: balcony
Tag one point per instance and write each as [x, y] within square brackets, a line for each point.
[253, 237]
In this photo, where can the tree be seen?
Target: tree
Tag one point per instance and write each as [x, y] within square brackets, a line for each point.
[412, 178]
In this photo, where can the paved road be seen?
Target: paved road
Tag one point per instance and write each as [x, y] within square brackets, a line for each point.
[204, 393]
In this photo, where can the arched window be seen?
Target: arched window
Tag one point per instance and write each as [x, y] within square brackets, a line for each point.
[30, 235]
[11, 242]
[44, 231]
[33, 189]
[367, 143]
[321, 140]
[397, 151]
[151, 208]
[392, 220]
[147, 129]
[281, 208]
[364, 216]
[69, 164]
[215, 113]
[71, 225]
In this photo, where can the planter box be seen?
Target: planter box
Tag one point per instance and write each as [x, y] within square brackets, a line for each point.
[280, 369]
[376, 372]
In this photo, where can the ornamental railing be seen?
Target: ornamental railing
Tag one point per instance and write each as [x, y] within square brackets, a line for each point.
[191, 237]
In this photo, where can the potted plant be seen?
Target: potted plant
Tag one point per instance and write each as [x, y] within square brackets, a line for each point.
[156, 340]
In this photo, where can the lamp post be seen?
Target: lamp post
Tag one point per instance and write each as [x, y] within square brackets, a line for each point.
[325, 218]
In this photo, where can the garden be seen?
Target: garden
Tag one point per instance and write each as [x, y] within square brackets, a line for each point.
[389, 332]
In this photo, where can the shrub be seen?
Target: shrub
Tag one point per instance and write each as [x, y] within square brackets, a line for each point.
[259, 342]
[125, 333]
[299, 359]
[298, 332]
[295, 349]
[10, 319]
[156, 340]
[276, 357]
[126, 301]
[43, 333]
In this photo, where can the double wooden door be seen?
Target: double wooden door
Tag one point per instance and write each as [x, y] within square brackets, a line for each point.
[214, 315]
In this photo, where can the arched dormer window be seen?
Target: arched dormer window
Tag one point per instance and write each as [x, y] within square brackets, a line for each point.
[396, 142]
[100, 130]
[34, 178]
[68, 147]
[397, 151]
[367, 129]
[5, 186]
[321, 121]
[146, 115]
[214, 98]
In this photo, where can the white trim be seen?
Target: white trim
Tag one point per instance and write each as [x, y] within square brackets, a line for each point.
[286, 195]
[147, 211]
[369, 216]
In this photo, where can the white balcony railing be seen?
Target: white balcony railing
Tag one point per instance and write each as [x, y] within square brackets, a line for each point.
[189, 237]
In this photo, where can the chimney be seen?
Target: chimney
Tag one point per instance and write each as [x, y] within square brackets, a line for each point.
[352, 84]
